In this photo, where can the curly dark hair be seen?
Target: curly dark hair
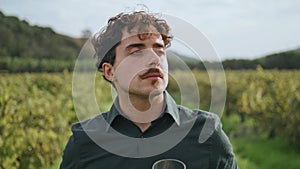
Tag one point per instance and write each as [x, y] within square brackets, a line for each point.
[106, 41]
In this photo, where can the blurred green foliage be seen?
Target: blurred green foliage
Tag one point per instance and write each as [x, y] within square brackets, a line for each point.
[270, 98]
[36, 112]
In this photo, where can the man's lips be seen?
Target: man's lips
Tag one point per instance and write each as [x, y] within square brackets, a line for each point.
[152, 73]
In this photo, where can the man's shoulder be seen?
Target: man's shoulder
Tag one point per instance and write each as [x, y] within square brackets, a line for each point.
[201, 115]
[84, 131]
[97, 122]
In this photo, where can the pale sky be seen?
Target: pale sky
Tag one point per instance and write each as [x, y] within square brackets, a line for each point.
[236, 28]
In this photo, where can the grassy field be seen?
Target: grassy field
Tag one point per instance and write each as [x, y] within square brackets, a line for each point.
[265, 154]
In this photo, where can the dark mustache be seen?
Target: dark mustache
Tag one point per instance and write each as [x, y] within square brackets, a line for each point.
[152, 70]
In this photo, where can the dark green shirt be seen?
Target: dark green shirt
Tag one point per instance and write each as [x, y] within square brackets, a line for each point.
[110, 140]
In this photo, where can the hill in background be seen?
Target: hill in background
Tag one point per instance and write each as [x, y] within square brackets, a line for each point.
[282, 60]
[33, 48]
[28, 48]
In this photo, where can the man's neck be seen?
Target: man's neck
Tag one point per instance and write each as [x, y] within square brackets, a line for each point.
[142, 110]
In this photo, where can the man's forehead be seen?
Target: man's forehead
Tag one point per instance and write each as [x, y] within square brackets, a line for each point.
[137, 32]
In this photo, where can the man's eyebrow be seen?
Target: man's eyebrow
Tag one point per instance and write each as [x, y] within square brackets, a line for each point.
[135, 45]
[141, 45]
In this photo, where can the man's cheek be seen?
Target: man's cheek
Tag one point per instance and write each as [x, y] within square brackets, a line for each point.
[164, 66]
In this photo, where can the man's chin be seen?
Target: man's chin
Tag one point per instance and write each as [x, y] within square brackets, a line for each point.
[148, 93]
[156, 92]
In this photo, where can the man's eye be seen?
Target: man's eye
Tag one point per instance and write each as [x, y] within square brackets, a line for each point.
[160, 52]
[136, 52]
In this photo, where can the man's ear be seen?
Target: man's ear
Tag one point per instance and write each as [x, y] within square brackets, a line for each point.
[108, 71]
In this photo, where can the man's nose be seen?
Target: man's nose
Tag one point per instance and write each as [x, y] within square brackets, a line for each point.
[153, 59]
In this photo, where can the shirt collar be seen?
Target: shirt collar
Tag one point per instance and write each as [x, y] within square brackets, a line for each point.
[170, 107]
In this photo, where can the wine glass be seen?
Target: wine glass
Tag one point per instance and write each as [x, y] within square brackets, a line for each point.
[169, 164]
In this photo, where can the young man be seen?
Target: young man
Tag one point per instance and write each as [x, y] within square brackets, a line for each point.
[144, 125]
